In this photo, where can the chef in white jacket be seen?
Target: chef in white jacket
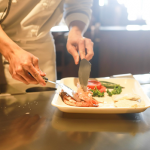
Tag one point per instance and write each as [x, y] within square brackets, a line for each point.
[26, 44]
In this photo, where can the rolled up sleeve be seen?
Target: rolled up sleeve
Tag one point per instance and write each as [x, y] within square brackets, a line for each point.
[79, 10]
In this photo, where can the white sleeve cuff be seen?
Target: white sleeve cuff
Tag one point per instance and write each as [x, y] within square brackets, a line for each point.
[77, 16]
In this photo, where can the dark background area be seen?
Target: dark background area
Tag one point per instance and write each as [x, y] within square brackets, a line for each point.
[117, 50]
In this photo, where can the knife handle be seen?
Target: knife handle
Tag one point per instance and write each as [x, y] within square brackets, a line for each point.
[45, 78]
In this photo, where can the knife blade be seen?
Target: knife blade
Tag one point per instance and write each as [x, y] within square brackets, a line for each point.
[84, 73]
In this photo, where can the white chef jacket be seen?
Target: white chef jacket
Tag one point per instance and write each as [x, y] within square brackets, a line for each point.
[29, 22]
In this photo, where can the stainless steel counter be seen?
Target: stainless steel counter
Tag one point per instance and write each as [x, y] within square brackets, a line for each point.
[29, 122]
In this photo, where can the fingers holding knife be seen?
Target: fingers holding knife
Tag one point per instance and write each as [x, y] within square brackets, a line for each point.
[34, 74]
[86, 49]
[89, 47]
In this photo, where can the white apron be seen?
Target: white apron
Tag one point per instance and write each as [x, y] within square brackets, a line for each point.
[28, 24]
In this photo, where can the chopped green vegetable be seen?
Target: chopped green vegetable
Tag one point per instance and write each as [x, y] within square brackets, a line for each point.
[107, 82]
[109, 85]
[109, 93]
[97, 93]
[117, 90]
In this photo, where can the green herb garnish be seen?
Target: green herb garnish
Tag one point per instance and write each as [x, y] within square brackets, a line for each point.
[117, 90]
[109, 93]
[97, 93]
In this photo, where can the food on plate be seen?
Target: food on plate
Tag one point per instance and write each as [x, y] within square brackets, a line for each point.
[130, 100]
[127, 96]
[97, 95]
[84, 99]
[100, 100]
[94, 84]
[128, 103]
[109, 85]
[117, 90]
[98, 88]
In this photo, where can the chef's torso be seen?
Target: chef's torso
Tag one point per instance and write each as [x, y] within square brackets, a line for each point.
[30, 20]
[28, 24]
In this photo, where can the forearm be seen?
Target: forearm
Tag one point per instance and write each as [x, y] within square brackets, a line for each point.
[21, 63]
[7, 46]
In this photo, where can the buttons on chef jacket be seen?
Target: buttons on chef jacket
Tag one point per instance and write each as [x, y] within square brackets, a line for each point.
[44, 4]
[14, 1]
[47, 3]
[34, 32]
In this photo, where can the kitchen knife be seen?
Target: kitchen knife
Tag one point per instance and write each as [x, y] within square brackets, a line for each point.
[65, 88]
[84, 73]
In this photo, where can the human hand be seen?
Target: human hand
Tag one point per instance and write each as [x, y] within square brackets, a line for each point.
[77, 43]
[21, 63]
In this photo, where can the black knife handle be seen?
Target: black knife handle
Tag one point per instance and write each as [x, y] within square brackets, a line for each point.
[45, 78]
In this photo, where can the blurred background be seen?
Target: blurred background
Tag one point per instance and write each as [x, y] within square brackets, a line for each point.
[120, 30]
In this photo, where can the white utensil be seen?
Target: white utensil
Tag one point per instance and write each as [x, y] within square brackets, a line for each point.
[65, 88]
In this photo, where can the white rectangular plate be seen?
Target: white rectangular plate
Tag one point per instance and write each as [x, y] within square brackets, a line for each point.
[131, 85]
